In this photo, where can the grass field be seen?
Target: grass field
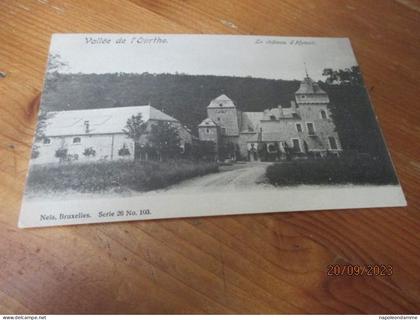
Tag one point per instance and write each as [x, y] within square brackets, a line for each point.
[121, 175]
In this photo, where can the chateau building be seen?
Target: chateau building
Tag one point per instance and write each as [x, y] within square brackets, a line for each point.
[304, 129]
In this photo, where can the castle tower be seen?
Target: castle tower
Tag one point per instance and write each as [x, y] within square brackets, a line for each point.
[318, 131]
[224, 113]
[209, 131]
[310, 92]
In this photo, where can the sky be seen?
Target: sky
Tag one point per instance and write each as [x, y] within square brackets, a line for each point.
[256, 56]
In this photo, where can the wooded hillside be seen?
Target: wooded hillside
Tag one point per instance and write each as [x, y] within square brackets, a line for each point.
[186, 96]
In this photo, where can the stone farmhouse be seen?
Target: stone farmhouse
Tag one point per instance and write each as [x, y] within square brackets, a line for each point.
[97, 134]
[302, 130]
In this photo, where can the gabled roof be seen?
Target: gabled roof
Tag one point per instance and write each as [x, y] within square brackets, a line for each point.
[269, 114]
[222, 97]
[100, 121]
[207, 123]
[288, 112]
[251, 121]
[222, 101]
[278, 113]
[308, 86]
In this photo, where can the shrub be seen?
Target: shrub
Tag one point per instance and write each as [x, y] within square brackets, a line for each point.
[344, 170]
[61, 154]
[124, 151]
[165, 139]
[103, 176]
[35, 152]
[89, 152]
[204, 150]
[72, 157]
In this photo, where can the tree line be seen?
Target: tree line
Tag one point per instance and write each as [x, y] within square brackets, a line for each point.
[185, 97]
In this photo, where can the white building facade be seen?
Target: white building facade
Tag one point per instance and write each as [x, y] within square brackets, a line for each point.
[97, 134]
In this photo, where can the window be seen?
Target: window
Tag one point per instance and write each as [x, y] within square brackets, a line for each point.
[311, 128]
[207, 130]
[220, 104]
[272, 148]
[272, 118]
[323, 114]
[77, 140]
[333, 143]
[218, 118]
[299, 127]
[296, 145]
[47, 141]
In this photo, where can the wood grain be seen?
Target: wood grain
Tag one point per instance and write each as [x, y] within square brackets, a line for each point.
[271, 263]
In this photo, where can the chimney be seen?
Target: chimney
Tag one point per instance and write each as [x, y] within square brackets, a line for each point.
[293, 106]
[87, 126]
[280, 111]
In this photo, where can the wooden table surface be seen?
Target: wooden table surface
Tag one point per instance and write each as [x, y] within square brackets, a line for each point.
[269, 263]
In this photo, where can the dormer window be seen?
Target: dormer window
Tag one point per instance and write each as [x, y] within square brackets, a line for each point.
[77, 140]
[46, 141]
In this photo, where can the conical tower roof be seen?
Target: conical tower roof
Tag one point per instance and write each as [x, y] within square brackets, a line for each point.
[207, 123]
[308, 86]
[222, 101]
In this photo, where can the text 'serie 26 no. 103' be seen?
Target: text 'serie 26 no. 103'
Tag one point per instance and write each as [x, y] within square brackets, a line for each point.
[156, 126]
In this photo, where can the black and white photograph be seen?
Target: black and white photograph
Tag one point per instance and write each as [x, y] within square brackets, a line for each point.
[145, 126]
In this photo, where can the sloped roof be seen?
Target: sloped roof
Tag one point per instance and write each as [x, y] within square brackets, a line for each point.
[285, 113]
[221, 101]
[268, 113]
[251, 121]
[308, 86]
[288, 112]
[101, 121]
[207, 123]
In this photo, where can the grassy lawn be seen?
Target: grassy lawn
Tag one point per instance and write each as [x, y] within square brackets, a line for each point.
[331, 171]
[104, 176]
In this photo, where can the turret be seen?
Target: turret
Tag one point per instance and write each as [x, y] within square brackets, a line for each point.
[208, 130]
[317, 129]
[223, 112]
[310, 92]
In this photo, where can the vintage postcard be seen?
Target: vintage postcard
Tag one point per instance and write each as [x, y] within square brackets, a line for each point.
[145, 126]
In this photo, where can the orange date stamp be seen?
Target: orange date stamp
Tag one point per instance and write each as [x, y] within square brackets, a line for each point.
[372, 270]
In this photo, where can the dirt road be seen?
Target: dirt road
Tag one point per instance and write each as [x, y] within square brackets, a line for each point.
[237, 176]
